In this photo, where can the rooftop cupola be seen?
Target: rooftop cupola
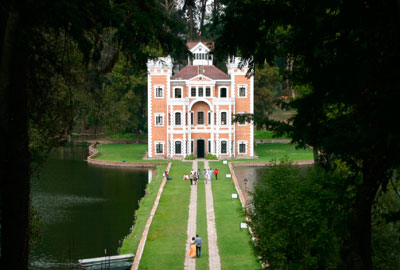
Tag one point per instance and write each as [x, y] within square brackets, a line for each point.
[201, 51]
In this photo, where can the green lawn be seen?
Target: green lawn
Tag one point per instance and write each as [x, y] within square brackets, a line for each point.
[276, 151]
[201, 223]
[130, 244]
[120, 152]
[234, 244]
[266, 135]
[166, 243]
[127, 136]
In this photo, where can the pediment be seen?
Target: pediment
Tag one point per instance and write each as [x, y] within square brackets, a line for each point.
[200, 48]
[200, 78]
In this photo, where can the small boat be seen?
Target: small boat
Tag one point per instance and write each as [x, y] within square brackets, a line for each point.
[118, 262]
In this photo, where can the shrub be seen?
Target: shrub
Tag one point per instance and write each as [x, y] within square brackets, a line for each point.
[190, 157]
[211, 157]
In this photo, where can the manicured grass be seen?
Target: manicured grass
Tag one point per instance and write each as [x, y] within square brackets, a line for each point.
[130, 244]
[201, 224]
[277, 151]
[234, 244]
[266, 135]
[120, 152]
[166, 242]
[127, 136]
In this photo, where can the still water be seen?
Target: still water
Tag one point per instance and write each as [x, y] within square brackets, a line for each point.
[85, 210]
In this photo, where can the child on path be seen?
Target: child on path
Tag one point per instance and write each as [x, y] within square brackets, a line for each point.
[198, 174]
[206, 177]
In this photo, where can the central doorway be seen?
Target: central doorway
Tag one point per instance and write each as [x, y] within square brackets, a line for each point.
[200, 148]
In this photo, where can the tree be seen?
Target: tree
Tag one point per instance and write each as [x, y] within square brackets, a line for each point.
[266, 81]
[297, 215]
[347, 53]
[35, 42]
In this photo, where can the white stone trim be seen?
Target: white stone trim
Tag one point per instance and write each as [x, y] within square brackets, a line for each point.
[149, 116]
[251, 93]
[163, 147]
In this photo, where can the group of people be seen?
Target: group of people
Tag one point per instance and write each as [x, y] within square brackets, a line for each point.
[195, 176]
[195, 247]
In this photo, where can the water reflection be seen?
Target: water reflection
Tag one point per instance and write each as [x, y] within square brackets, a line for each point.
[84, 209]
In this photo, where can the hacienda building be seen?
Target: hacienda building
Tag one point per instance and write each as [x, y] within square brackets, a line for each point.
[192, 111]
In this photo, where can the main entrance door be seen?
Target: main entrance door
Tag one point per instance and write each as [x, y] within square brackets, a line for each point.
[200, 148]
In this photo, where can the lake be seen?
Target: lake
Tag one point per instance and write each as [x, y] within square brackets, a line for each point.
[85, 210]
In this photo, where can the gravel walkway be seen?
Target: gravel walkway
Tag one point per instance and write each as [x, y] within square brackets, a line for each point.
[190, 263]
[213, 252]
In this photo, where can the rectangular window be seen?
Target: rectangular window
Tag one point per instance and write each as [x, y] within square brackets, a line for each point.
[178, 147]
[159, 120]
[191, 147]
[178, 119]
[242, 91]
[242, 148]
[209, 146]
[208, 92]
[193, 92]
[191, 118]
[159, 148]
[178, 93]
[223, 92]
[200, 118]
[223, 147]
[200, 91]
[209, 118]
[223, 118]
[159, 92]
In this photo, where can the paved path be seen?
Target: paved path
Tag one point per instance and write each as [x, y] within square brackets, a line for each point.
[190, 263]
[214, 260]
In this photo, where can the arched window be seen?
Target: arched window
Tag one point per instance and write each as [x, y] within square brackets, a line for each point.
[222, 92]
[200, 118]
[223, 118]
[178, 147]
[178, 121]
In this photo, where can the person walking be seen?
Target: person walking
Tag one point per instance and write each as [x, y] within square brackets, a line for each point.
[199, 243]
[198, 174]
[206, 177]
[210, 172]
[204, 172]
[193, 248]
[191, 177]
[216, 173]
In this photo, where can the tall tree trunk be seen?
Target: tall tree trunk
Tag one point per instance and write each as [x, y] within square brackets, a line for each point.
[15, 160]
[356, 250]
[137, 136]
[203, 13]
[191, 22]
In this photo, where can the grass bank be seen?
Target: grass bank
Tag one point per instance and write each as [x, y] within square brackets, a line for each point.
[122, 152]
[276, 151]
[166, 242]
[235, 246]
[266, 135]
[265, 152]
[131, 242]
